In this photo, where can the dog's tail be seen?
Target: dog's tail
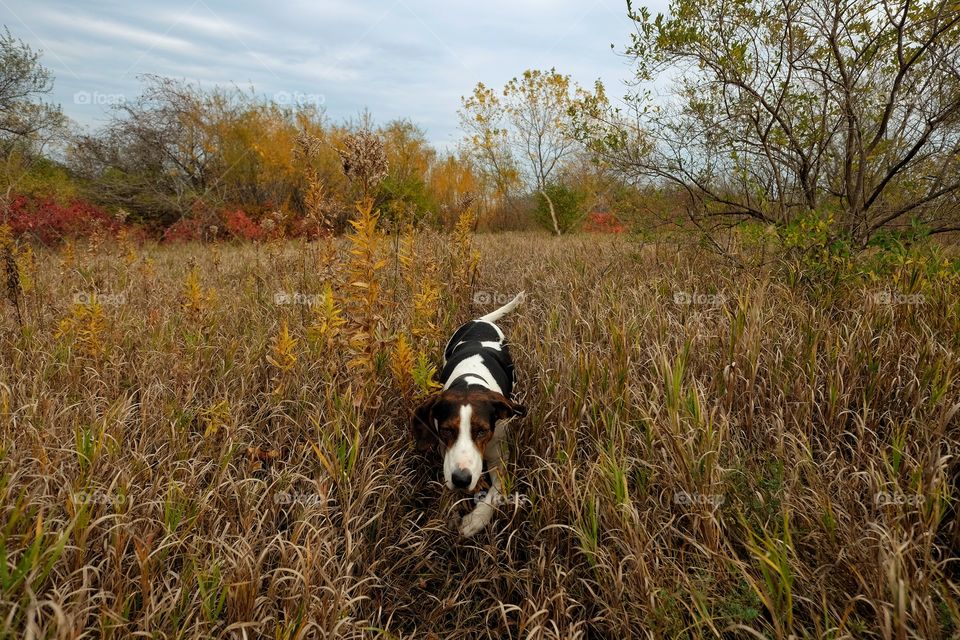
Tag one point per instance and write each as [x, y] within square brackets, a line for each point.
[493, 316]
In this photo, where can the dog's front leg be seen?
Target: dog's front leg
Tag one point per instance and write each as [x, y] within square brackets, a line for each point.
[481, 514]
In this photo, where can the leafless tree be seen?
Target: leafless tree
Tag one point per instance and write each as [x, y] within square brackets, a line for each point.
[159, 155]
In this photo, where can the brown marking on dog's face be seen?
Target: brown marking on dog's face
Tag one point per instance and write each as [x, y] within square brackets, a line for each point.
[438, 420]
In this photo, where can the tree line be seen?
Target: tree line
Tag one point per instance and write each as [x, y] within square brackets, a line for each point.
[777, 113]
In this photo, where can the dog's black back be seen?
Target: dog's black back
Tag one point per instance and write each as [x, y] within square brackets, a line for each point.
[467, 342]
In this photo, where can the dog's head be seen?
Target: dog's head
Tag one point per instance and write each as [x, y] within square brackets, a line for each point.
[463, 423]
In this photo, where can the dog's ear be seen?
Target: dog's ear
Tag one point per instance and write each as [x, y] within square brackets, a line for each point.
[424, 434]
[504, 408]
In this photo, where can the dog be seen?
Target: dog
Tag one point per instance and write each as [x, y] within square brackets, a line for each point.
[465, 420]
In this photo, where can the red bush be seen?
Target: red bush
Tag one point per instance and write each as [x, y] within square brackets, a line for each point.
[50, 221]
[184, 230]
[603, 222]
[240, 226]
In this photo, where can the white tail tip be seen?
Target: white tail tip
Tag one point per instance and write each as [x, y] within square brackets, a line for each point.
[493, 316]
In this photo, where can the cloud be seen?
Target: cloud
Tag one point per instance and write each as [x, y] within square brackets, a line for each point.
[123, 36]
[399, 58]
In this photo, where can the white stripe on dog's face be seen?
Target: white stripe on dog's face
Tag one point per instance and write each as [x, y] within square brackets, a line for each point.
[463, 462]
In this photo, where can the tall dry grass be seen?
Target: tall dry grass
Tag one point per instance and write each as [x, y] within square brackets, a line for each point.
[213, 442]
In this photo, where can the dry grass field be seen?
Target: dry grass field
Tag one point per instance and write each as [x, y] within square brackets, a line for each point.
[212, 441]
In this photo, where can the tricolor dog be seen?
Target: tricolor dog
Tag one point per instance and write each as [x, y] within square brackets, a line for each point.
[465, 419]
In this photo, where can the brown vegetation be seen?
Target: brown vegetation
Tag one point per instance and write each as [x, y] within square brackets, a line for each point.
[214, 442]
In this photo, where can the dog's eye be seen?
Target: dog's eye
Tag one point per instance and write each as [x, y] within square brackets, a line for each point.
[447, 433]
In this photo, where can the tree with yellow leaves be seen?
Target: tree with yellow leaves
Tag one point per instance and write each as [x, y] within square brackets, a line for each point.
[522, 136]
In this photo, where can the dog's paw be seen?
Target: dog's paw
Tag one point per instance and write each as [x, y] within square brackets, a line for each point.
[474, 521]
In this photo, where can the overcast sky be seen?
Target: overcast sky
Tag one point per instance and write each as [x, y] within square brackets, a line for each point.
[398, 58]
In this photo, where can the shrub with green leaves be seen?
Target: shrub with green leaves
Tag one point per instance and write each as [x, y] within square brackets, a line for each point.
[567, 204]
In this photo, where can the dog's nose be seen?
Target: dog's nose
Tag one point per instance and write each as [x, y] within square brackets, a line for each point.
[461, 479]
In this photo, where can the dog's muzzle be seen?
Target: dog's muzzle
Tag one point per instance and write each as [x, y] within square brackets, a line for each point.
[461, 478]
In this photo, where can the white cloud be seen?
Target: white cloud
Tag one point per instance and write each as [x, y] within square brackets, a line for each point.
[124, 36]
[399, 58]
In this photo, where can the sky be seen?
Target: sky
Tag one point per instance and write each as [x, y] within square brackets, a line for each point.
[397, 58]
